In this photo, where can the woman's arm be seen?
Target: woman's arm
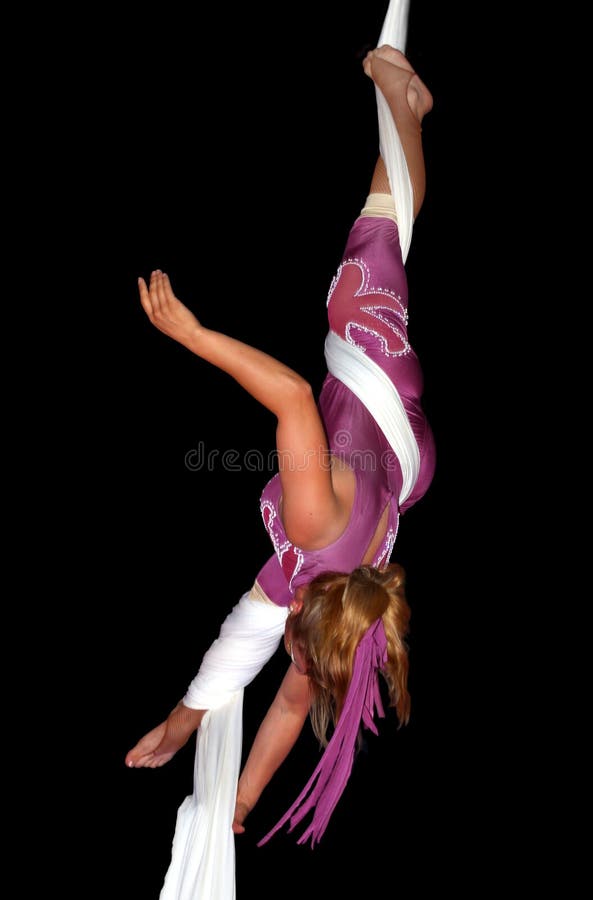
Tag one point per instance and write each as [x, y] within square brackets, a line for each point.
[312, 513]
[274, 740]
[271, 382]
[158, 746]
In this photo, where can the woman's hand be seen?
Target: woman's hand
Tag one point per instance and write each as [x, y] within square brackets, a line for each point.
[242, 810]
[162, 743]
[166, 312]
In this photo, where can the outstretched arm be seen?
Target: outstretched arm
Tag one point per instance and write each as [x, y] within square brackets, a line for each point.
[271, 382]
[274, 740]
[162, 743]
[313, 514]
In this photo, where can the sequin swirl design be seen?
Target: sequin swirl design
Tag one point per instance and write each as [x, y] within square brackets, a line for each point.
[384, 321]
[289, 556]
[387, 549]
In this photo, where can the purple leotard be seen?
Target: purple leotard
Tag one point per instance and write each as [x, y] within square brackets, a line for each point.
[367, 308]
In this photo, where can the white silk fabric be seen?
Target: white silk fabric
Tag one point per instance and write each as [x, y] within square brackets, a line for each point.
[394, 33]
[248, 638]
[203, 852]
[373, 388]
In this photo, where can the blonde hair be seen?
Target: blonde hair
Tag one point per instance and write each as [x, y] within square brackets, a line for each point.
[337, 611]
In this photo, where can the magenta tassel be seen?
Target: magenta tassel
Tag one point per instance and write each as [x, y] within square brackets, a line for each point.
[326, 785]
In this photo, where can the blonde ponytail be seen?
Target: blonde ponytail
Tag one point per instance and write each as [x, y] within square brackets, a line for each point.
[338, 611]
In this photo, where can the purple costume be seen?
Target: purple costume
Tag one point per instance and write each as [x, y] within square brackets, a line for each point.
[367, 309]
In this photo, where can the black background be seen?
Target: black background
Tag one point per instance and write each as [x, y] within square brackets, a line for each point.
[234, 155]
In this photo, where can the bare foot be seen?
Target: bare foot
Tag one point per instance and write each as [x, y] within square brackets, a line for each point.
[391, 71]
[144, 754]
[162, 743]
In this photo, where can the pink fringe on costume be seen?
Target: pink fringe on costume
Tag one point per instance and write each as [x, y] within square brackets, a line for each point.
[335, 766]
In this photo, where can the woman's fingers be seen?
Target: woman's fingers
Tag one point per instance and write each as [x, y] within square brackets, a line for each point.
[154, 292]
[163, 293]
[158, 295]
[144, 297]
[168, 294]
[164, 309]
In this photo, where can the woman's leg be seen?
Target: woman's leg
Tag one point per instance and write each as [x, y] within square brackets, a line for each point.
[409, 100]
[368, 306]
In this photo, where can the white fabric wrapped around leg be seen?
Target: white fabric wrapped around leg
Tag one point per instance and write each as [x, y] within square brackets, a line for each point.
[394, 33]
[248, 638]
[378, 393]
[381, 205]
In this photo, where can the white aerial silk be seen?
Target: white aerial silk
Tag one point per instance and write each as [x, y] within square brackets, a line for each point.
[203, 854]
[373, 387]
[394, 33]
[248, 638]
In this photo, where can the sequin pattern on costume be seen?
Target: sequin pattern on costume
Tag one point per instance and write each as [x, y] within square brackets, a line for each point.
[386, 550]
[380, 313]
[367, 308]
[289, 556]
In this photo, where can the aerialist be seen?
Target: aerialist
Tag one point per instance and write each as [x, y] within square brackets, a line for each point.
[349, 465]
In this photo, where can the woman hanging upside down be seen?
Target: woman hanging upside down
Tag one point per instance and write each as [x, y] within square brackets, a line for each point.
[350, 463]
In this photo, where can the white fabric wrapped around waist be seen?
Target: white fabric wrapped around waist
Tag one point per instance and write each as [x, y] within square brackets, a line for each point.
[249, 637]
[374, 388]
